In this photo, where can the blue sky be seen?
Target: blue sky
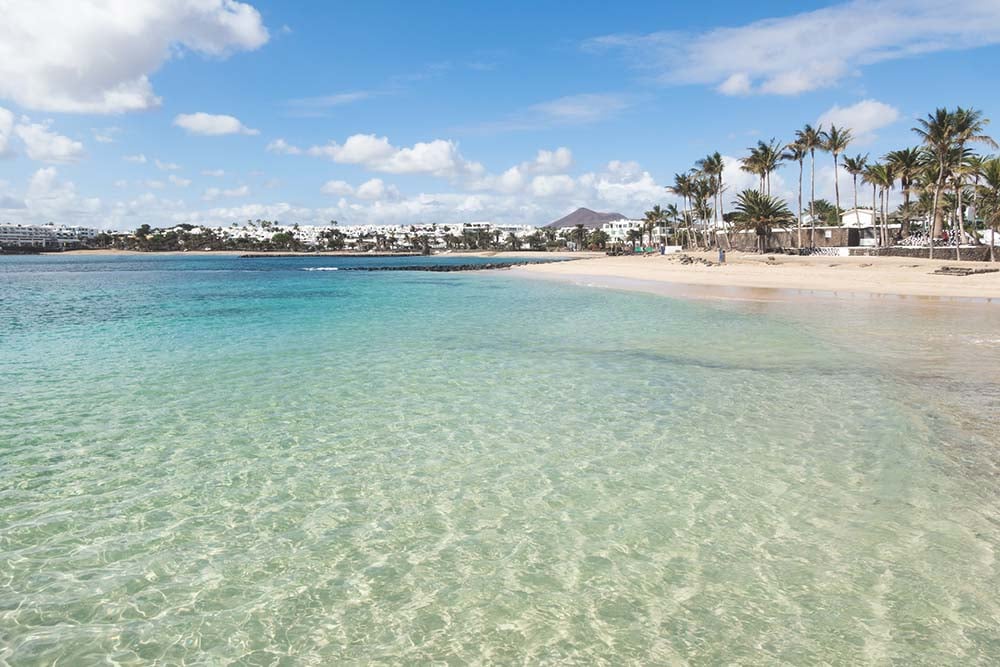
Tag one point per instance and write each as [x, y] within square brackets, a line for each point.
[119, 113]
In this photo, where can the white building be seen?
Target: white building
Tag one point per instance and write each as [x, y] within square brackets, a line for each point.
[617, 230]
[44, 236]
[858, 217]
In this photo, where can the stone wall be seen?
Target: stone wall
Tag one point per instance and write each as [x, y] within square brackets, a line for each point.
[780, 239]
[976, 254]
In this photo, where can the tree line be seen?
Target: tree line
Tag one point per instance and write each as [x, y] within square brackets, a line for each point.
[945, 185]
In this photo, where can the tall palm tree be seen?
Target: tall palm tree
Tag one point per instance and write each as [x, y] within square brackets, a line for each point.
[886, 180]
[672, 216]
[811, 138]
[906, 164]
[871, 176]
[796, 152]
[855, 166]
[835, 141]
[763, 161]
[653, 218]
[939, 134]
[712, 167]
[761, 212]
[682, 187]
[970, 127]
[989, 195]
[974, 168]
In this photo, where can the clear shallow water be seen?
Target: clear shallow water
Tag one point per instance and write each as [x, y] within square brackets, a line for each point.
[208, 459]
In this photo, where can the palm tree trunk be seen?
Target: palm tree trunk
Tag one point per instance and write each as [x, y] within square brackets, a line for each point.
[800, 206]
[938, 186]
[812, 198]
[836, 182]
[885, 215]
[856, 196]
[959, 219]
[722, 214]
[875, 216]
[993, 238]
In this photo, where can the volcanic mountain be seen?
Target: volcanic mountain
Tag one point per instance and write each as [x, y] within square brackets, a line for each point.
[586, 217]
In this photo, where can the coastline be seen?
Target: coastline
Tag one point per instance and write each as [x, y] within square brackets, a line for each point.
[333, 253]
[744, 276]
[756, 277]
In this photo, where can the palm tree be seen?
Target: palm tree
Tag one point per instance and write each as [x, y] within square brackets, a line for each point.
[906, 165]
[871, 176]
[712, 167]
[796, 152]
[970, 127]
[880, 177]
[854, 166]
[762, 161]
[939, 134]
[653, 218]
[633, 236]
[811, 138]
[974, 166]
[989, 193]
[682, 187]
[886, 182]
[761, 212]
[672, 216]
[835, 141]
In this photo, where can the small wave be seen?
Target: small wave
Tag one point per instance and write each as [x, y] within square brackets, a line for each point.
[321, 268]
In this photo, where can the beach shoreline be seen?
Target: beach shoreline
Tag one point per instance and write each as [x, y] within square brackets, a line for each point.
[520, 254]
[747, 276]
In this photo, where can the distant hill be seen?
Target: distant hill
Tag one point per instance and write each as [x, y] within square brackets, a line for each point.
[586, 217]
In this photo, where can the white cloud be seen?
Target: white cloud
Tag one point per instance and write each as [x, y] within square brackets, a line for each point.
[516, 178]
[217, 173]
[558, 160]
[376, 189]
[802, 52]
[46, 146]
[94, 56]
[6, 129]
[105, 135]
[178, 181]
[212, 124]
[551, 185]
[318, 106]
[166, 166]
[138, 158]
[121, 183]
[215, 193]
[438, 157]
[337, 188]
[862, 118]
[47, 199]
[625, 184]
[736, 84]
[154, 185]
[282, 147]
[579, 109]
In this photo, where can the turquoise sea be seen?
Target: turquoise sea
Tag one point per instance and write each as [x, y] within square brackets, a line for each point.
[214, 460]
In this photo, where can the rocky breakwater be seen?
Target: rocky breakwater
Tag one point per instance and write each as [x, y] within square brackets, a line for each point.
[444, 268]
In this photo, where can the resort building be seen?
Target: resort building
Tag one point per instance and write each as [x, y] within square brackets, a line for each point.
[617, 230]
[44, 236]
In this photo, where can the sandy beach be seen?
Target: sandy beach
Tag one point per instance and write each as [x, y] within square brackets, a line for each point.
[756, 276]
